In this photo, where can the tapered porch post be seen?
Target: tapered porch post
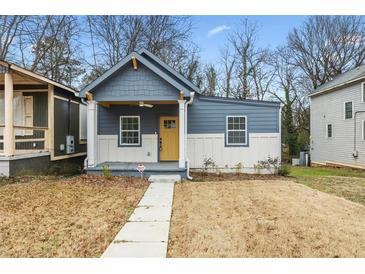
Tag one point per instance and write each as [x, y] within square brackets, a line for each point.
[91, 133]
[9, 142]
[181, 133]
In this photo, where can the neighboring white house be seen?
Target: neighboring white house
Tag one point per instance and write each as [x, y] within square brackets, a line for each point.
[338, 121]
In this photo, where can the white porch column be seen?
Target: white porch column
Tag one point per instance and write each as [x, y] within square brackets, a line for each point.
[91, 133]
[181, 133]
[9, 142]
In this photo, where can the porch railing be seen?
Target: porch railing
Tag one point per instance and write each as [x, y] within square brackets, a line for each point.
[27, 140]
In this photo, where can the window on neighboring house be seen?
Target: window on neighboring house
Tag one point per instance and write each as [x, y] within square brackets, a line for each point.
[363, 130]
[348, 110]
[363, 92]
[329, 130]
[236, 130]
[129, 130]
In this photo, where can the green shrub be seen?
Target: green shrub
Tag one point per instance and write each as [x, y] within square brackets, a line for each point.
[106, 171]
[283, 170]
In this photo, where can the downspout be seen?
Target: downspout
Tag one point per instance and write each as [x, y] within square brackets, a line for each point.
[355, 154]
[186, 134]
[86, 160]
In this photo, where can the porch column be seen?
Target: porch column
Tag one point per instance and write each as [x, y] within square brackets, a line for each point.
[9, 142]
[181, 133]
[91, 133]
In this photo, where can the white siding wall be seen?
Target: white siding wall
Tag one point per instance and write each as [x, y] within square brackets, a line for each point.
[108, 150]
[329, 109]
[261, 145]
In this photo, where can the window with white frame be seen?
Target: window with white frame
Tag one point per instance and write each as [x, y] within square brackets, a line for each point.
[329, 130]
[363, 130]
[129, 130]
[348, 110]
[236, 130]
[363, 92]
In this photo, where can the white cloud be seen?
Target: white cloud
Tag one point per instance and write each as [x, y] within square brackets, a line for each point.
[217, 30]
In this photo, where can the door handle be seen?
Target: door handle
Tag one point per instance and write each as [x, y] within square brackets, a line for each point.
[160, 144]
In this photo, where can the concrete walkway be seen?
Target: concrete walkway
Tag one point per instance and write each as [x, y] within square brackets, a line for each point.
[147, 230]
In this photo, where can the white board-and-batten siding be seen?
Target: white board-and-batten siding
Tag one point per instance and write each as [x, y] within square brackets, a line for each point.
[327, 109]
[228, 158]
[200, 147]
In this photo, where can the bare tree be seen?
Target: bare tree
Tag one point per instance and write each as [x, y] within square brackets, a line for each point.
[168, 37]
[326, 46]
[252, 65]
[10, 27]
[228, 63]
[49, 46]
[211, 80]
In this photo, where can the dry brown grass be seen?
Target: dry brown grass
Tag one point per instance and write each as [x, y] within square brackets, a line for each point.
[263, 219]
[76, 217]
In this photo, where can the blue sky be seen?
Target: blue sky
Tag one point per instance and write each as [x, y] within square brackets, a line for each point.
[272, 31]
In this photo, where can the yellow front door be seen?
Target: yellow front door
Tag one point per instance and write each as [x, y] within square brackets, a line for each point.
[169, 138]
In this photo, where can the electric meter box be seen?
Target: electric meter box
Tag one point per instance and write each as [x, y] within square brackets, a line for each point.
[70, 144]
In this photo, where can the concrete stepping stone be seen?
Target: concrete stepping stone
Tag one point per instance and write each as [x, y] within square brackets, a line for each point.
[136, 250]
[164, 178]
[151, 214]
[143, 232]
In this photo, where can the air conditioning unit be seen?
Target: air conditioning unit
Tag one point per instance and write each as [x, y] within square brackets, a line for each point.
[70, 144]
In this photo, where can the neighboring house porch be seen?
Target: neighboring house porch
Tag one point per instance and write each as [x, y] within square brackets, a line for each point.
[35, 118]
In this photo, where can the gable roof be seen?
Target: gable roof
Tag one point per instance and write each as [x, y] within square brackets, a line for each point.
[154, 64]
[36, 76]
[173, 73]
[340, 80]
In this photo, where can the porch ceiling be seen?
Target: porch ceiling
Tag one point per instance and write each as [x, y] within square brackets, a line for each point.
[19, 78]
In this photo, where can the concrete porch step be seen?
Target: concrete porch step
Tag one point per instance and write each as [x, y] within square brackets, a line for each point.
[164, 178]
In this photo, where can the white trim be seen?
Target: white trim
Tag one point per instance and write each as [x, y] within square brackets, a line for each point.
[61, 157]
[363, 129]
[362, 92]
[182, 156]
[65, 99]
[336, 86]
[327, 130]
[130, 130]
[91, 133]
[344, 110]
[245, 130]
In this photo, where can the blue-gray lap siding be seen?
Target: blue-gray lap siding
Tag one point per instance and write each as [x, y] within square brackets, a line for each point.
[128, 84]
[209, 116]
[109, 118]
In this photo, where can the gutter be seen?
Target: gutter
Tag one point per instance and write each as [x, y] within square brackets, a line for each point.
[186, 134]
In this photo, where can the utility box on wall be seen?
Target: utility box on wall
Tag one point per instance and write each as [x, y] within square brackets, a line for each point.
[70, 144]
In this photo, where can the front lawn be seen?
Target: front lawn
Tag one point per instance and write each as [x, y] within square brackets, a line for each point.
[59, 217]
[263, 219]
[342, 182]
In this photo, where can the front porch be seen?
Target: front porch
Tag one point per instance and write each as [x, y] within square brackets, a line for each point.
[130, 169]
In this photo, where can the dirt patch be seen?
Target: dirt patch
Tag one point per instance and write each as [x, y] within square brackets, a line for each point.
[263, 219]
[218, 177]
[67, 217]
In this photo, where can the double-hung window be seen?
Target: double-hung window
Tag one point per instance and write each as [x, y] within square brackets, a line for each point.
[129, 130]
[348, 110]
[236, 130]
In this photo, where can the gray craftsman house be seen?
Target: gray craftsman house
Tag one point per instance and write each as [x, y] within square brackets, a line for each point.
[41, 122]
[338, 121]
[141, 111]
